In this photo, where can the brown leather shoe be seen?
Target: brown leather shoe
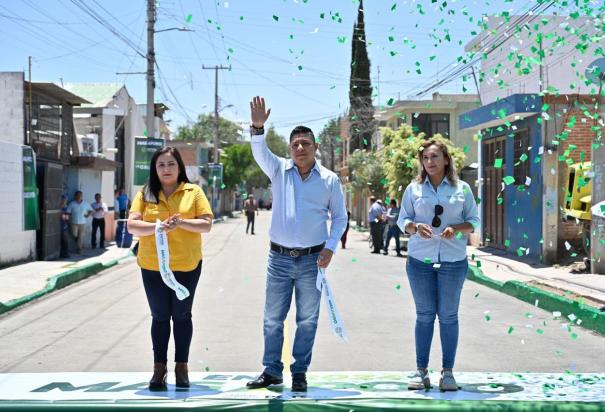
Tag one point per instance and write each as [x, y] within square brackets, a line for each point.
[182, 375]
[158, 380]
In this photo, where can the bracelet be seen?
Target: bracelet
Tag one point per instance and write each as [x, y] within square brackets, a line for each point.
[255, 131]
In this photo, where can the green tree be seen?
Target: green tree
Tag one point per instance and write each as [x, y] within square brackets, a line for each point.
[367, 173]
[278, 145]
[237, 161]
[361, 114]
[400, 156]
[204, 130]
[330, 144]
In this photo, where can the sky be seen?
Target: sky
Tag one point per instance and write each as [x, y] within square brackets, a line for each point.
[295, 53]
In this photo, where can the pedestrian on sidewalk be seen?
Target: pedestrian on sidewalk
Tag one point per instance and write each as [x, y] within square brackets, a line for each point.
[98, 221]
[64, 251]
[122, 201]
[439, 211]
[305, 194]
[343, 238]
[376, 218]
[251, 209]
[167, 190]
[393, 230]
[78, 211]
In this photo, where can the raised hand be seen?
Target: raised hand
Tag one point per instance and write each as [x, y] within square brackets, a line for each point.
[258, 114]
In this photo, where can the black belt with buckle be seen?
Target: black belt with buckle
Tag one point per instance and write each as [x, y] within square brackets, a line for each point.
[296, 252]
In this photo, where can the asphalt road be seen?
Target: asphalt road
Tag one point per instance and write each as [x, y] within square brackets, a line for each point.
[103, 323]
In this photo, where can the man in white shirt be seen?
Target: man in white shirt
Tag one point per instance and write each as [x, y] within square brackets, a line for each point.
[99, 208]
[305, 195]
[78, 211]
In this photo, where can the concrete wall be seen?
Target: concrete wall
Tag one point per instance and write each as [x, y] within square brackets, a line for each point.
[15, 243]
[12, 110]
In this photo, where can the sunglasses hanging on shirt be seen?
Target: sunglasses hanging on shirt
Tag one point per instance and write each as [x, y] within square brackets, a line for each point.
[436, 220]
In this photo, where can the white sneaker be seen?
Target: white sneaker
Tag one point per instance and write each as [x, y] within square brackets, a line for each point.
[447, 381]
[419, 380]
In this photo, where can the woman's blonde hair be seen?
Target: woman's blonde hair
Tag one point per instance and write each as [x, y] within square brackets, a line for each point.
[450, 168]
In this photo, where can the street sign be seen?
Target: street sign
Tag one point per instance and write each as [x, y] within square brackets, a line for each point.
[144, 148]
[215, 173]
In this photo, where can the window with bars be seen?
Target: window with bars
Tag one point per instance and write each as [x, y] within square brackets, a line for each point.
[521, 156]
[431, 124]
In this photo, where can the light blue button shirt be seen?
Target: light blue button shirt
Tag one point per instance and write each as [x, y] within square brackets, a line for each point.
[375, 212]
[300, 208]
[418, 205]
[77, 211]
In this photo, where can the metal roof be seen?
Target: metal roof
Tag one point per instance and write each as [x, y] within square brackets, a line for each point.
[53, 90]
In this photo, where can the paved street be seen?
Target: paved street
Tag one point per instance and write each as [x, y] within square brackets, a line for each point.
[102, 324]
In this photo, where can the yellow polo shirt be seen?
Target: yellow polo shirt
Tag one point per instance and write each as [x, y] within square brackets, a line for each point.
[185, 247]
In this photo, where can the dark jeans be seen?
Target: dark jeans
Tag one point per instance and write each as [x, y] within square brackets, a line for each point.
[393, 231]
[64, 244]
[250, 217]
[165, 306]
[377, 232]
[343, 238]
[100, 224]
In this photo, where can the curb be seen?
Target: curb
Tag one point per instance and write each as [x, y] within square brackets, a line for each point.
[62, 280]
[592, 318]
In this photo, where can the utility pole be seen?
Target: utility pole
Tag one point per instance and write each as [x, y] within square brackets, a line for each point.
[216, 109]
[150, 69]
[29, 120]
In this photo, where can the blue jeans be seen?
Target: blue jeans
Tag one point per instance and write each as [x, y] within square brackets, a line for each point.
[436, 292]
[393, 231]
[286, 274]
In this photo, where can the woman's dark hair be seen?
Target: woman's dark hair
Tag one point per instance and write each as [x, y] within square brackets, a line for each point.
[151, 191]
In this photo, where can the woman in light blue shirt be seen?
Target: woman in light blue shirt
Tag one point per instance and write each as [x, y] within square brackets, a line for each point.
[439, 211]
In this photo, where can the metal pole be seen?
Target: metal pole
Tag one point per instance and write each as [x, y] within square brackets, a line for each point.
[597, 224]
[215, 156]
[150, 69]
[30, 117]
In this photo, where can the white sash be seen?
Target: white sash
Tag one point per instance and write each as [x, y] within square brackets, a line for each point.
[324, 287]
[161, 243]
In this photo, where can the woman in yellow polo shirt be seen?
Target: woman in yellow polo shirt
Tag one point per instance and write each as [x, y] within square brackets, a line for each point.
[185, 213]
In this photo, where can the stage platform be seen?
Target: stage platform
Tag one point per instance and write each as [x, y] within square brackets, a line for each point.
[330, 391]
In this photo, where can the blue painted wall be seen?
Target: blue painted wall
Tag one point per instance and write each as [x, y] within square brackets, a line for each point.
[523, 209]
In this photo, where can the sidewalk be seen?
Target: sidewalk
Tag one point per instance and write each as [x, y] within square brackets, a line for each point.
[23, 283]
[20, 284]
[577, 297]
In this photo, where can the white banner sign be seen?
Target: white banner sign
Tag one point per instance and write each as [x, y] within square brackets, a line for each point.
[324, 287]
[161, 243]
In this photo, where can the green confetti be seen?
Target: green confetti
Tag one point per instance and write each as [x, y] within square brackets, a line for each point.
[342, 39]
[188, 18]
[498, 163]
[508, 180]
[573, 335]
[465, 149]
[223, 186]
[459, 235]
[510, 330]
[276, 18]
[300, 67]
[207, 369]
[539, 331]
[488, 318]
[477, 295]
[398, 287]
[428, 261]
[523, 157]
[354, 260]
[478, 263]
[507, 243]
[394, 6]
[390, 101]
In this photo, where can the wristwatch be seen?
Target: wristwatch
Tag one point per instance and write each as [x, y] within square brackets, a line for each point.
[255, 131]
